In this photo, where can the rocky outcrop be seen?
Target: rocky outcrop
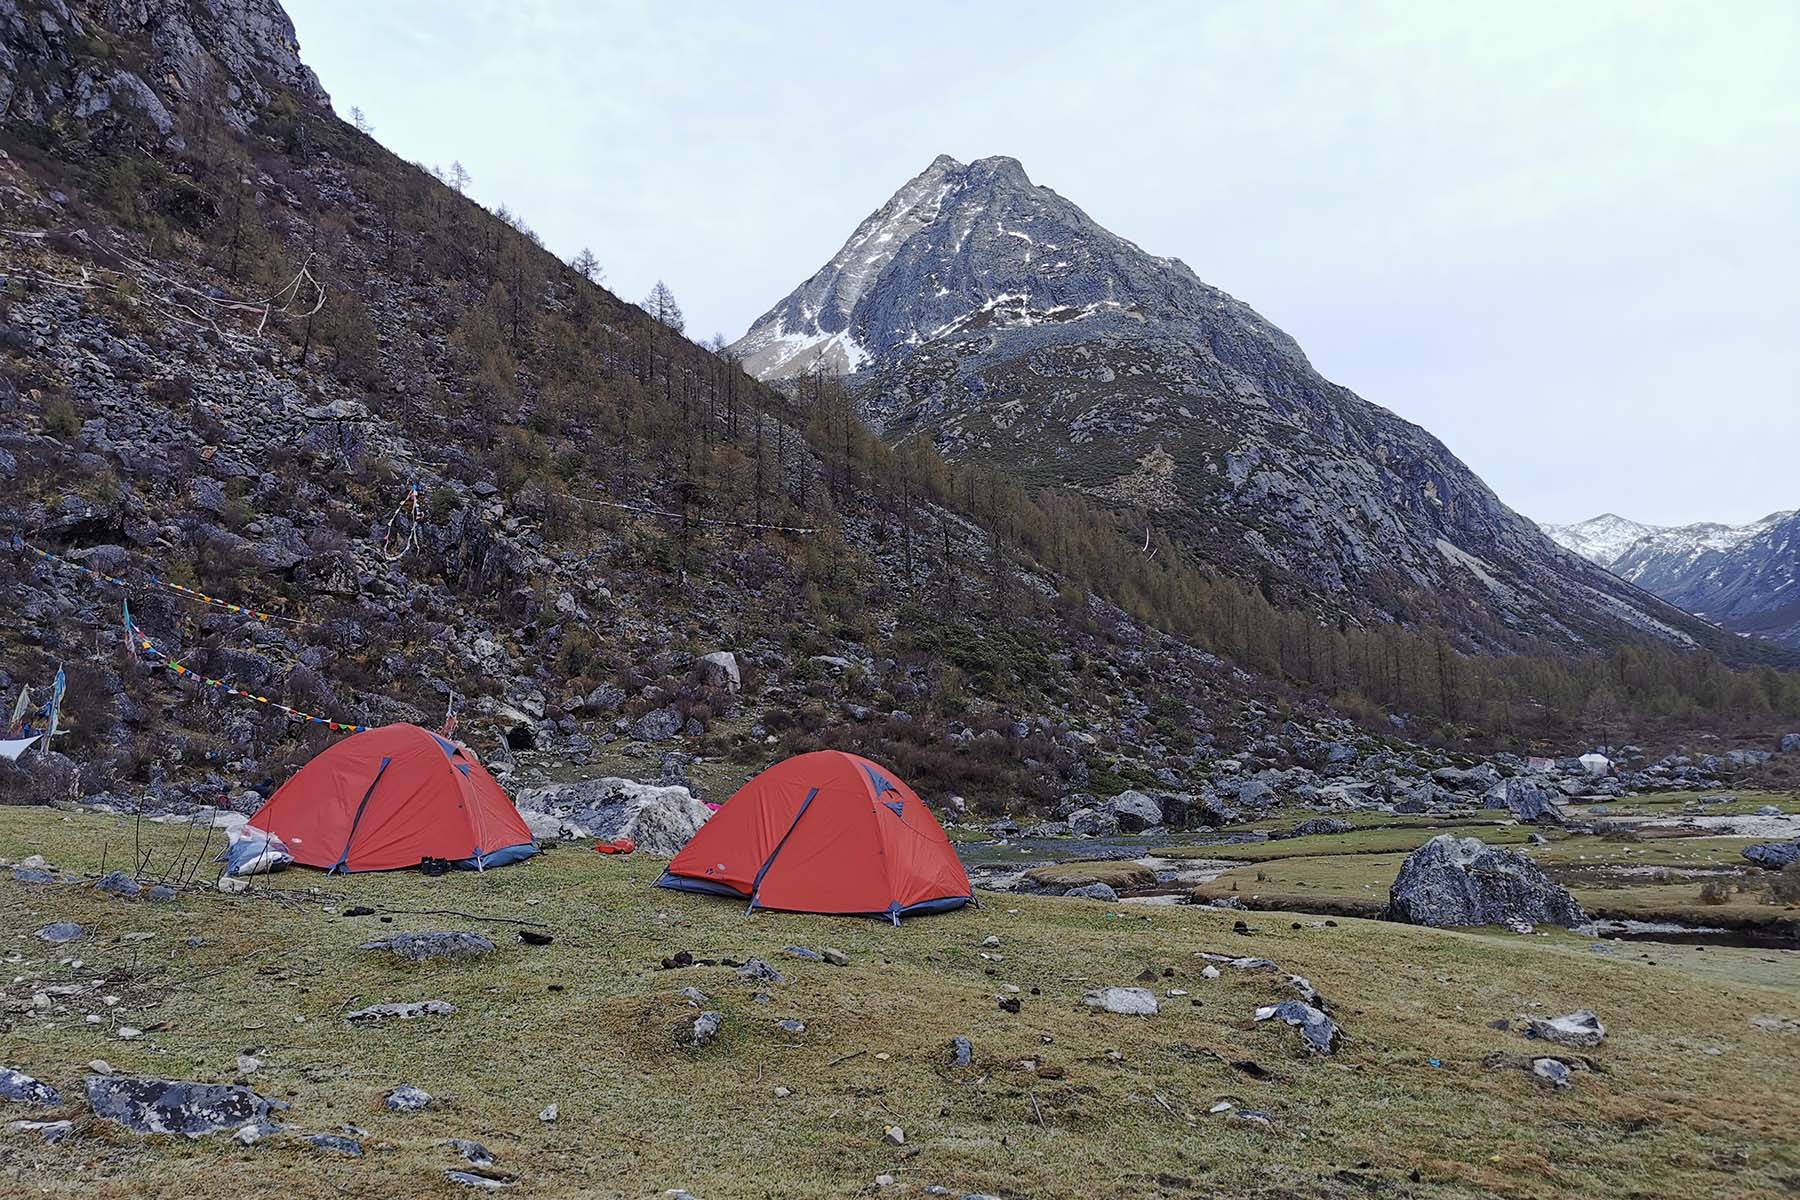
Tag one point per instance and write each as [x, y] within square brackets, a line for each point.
[201, 58]
[1451, 881]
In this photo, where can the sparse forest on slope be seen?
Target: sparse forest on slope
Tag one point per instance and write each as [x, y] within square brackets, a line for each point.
[246, 350]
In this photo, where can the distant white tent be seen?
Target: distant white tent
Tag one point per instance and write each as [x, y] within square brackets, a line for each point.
[1596, 764]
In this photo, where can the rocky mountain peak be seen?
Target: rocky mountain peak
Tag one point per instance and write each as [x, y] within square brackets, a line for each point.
[228, 56]
[974, 245]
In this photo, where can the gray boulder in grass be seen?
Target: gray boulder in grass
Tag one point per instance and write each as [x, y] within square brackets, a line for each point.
[1451, 881]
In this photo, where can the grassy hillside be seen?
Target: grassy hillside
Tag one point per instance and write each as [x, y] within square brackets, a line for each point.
[1688, 1096]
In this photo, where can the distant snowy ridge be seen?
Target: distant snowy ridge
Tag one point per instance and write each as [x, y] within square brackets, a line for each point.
[1744, 577]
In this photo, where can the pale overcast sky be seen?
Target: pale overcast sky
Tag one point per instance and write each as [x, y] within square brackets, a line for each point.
[1565, 238]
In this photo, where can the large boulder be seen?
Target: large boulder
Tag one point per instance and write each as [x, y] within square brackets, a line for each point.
[1135, 811]
[1774, 855]
[720, 669]
[659, 818]
[1790, 743]
[1093, 822]
[1452, 881]
[1526, 798]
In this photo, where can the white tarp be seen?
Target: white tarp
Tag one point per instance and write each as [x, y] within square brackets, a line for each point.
[1596, 764]
[11, 749]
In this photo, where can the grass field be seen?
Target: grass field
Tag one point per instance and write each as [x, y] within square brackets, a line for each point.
[1061, 1100]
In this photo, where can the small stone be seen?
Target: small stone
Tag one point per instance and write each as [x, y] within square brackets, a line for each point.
[473, 1152]
[21, 1088]
[782, 1093]
[790, 1025]
[962, 1052]
[402, 1012]
[884, 1181]
[706, 1028]
[1220, 1106]
[836, 957]
[127, 1033]
[100, 1066]
[801, 952]
[755, 970]
[248, 1064]
[895, 1136]
[1132, 1002]
[1552, 1071]
[548, 1115]
[1209, 972]
[991, 941]
[232, 884]
[349, 1147]
[693, 994]
[1580, 1028]
[406, 1099]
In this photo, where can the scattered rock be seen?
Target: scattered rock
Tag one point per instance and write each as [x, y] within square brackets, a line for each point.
[660, 819]
[21, 1088]
[1320, 1031]
[418, 947]
[1773, 855]
[756, 970]
[1580, 1028]
[895, 1136]
[118, 883]
[166, 1106]
[1131, 1002]
[1552, 1071]
[473, 1152]
[406, 1099]
[835, 957]
[407, 1011]
[549, 1114]
[801, 952]
[706, 1028]
[247, 1064]
[1093, 891]
[962, 1051]
[60, 933]
[491, 1181]
[336, 1143]
[50, 1131]
[1451, 881]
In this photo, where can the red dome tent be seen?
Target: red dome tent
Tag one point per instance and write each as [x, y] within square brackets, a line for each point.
[392, 797]
[826, 832]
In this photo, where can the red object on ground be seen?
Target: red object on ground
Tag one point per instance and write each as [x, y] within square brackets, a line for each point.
[390, 798]
[826, 832]
[620, 845]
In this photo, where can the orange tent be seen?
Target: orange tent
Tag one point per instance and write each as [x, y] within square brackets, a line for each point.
[393, 797]
[826, 832]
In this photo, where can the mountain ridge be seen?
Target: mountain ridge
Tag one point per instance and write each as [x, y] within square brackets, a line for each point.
[1744, 577]
[995, 318]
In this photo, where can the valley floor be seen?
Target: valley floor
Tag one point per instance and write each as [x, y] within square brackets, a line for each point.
[1691, 1093]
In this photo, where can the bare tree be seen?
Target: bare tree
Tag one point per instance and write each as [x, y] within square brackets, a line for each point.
[588, 266]
[459, 176]
[660, 303]
[359, 119]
